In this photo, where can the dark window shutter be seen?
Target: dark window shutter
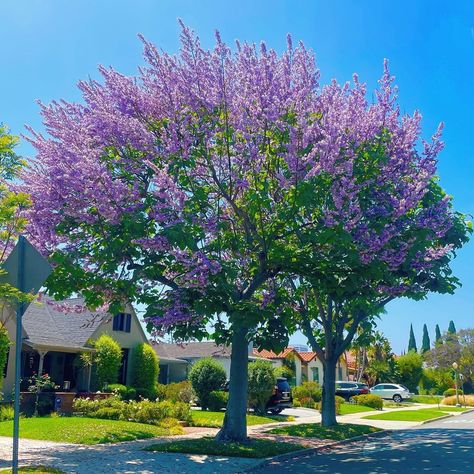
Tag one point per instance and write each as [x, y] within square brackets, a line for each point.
[115, 323]
[128, 322]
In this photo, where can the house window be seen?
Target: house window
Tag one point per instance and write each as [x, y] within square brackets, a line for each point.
[315, 371]
[122, 322]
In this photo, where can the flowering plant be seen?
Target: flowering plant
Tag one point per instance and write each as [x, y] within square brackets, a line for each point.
[41, 383]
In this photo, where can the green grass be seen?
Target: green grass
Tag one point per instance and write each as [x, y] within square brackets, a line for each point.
[255, 448]
[431, 399]
[409, 415]
[35, 470]
[86, 430]
[214, 419]
[349, 408]
[315, 430]
[451, 408]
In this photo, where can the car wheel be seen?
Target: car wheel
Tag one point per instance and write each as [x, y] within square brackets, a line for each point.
[276, 411]
[397, 398]
[352, 400]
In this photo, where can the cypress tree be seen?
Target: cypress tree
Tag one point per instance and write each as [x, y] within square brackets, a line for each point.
[437, 334]
[425, 344]
[451, 327]
[412, 340]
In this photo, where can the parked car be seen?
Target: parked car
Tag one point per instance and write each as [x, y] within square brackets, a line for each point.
[281, 398]
[391, 391]
[348, 390]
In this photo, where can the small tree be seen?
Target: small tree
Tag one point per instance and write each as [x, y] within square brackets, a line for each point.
[108, 359]
[425, 344]
[145, 367]
[451, 327]
[412, 340]
[206, 375]
[437, 334]
[260, 385]
[410, 367]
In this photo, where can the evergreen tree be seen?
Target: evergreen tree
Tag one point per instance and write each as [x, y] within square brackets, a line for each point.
[451, 327]
[425, 344]
[412, 340]
[437, 334]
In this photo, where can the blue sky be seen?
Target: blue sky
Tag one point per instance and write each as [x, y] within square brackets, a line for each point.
[48, 45]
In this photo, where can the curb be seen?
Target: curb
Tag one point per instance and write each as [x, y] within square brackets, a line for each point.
[436, 419]
[311, 451]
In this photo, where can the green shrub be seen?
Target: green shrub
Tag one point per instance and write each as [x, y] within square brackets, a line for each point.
[6, 413]
[147, 393]
[140, 412]
[308, 390]
[146, 367]
[435, 381]
[372, 401]
[261, 384]
[124, 392]
[206, 375]
[338, 400]
[296, 402]
[108, 358]
[4, 347]
[176, 392]
[217, 400]
[452, 391]
[307, 402]
[410, 368]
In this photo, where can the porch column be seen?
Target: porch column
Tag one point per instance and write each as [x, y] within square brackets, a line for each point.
[41, 361]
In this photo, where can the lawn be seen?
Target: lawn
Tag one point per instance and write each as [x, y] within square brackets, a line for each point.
[349, 408]
[34, 470]
[409, 415]
[432, 399]
[315, 430]
[256, 448]
[86, 430]
[214, 419]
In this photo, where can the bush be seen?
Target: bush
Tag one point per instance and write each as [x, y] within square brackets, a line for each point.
[6, 413]
[435, 381]
[176, 392]
[140, 412]
[124, 392]
[467, 400]
[147, 393]
[108, 358]
[410, 368]
[339, 402]
[206, 375]
[4, 348]
[308, 390]
[307, 402]
[261, 384]
[217, 400]
[146, 367]
[452, 391]
[372, 401]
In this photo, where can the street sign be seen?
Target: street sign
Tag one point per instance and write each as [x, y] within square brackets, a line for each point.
[27, 270]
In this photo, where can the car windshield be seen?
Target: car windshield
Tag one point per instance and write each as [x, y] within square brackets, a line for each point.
[283, 385]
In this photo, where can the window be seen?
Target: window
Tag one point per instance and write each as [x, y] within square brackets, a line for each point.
[122, 322]
[315, 371]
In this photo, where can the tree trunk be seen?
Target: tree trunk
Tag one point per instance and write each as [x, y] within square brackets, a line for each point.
[234, 427]
[328, 412]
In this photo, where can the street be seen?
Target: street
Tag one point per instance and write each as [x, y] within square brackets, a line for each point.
[439, 447]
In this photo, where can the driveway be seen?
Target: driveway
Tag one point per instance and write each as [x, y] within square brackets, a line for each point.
[444, 446]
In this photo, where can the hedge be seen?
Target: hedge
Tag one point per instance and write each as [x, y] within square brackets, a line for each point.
[372, 401]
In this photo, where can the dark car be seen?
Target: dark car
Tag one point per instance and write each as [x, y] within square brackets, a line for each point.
[281, 397]
[348, 390]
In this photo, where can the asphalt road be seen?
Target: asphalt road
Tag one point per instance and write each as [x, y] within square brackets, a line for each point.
[444, 446]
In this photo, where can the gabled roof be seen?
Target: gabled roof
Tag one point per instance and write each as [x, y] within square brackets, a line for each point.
[46, 325]
[190, 350]
[307, 356]
[272, 355]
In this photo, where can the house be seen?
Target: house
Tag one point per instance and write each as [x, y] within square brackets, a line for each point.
[55, 333]
[307, 366]
[175, 359]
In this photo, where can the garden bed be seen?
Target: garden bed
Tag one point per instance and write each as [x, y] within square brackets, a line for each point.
[424, 414]
[338, 432]
[214, 419]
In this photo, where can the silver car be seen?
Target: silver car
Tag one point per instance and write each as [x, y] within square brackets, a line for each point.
[391, 391]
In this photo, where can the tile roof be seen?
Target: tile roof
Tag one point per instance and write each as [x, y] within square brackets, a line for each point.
[45, 325]
[281, 355]
[307, 356]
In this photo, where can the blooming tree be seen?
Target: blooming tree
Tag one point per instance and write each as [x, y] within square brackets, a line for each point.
[205, 184]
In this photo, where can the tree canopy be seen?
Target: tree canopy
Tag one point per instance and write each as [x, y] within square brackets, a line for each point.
[412, 340]
[425, 343]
